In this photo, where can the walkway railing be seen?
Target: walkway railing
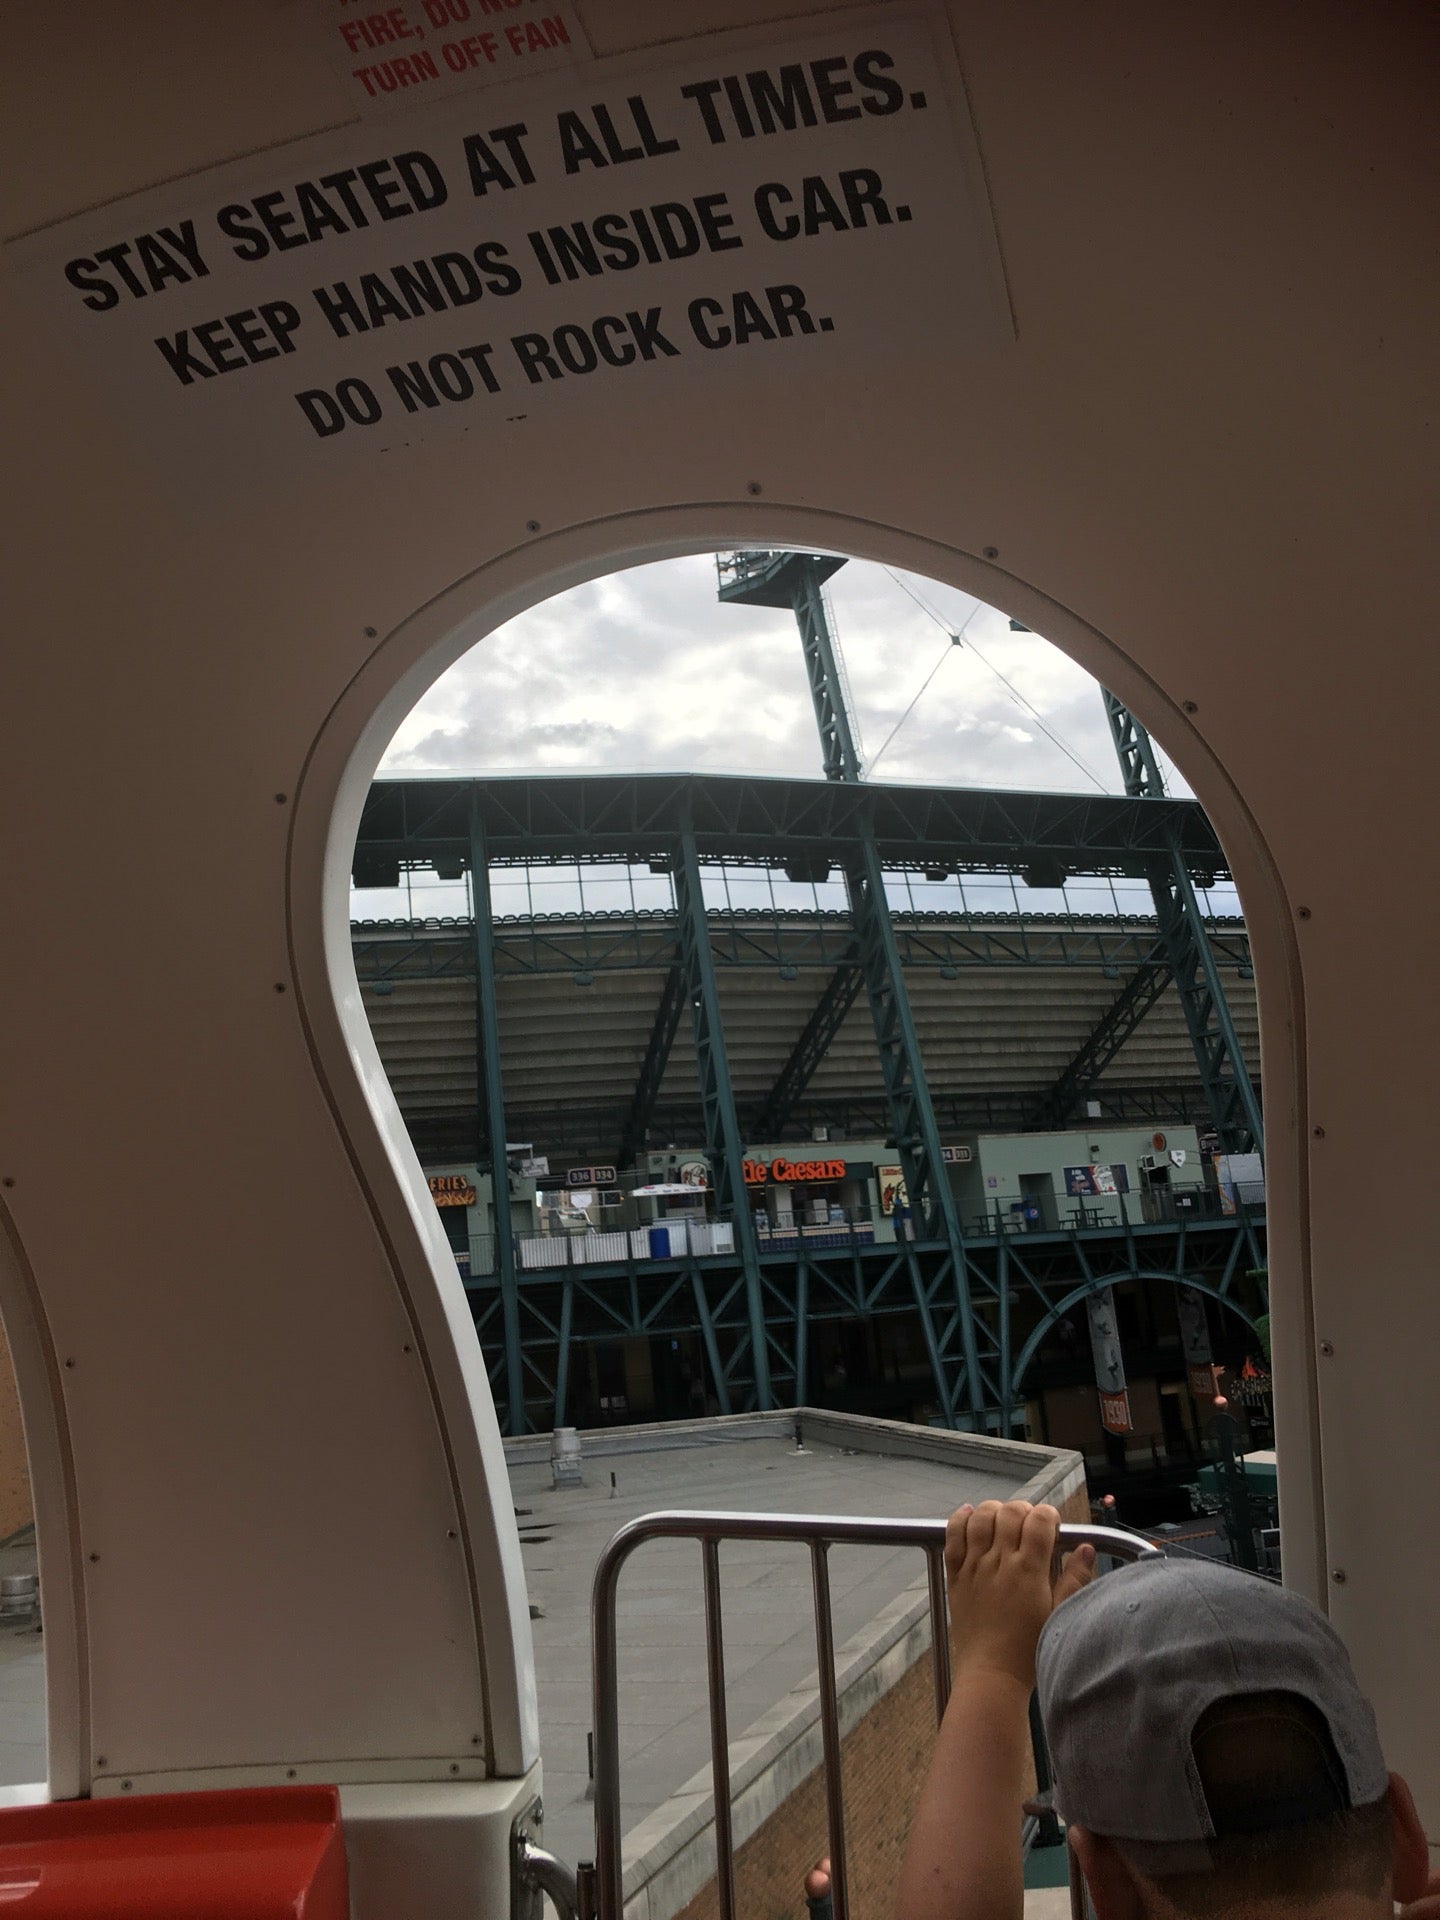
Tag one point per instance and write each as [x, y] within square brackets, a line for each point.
[702, 1239]
[601, 1891]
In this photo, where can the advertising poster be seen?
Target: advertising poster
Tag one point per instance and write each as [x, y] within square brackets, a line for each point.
[893, 1192]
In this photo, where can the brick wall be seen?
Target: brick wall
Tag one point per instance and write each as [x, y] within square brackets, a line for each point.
[15, 1509]
[884, 1760]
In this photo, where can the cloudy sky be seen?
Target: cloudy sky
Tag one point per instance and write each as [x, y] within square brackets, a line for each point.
[647, 669]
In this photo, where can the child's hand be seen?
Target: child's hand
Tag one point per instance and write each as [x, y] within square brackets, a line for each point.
[998, 1562]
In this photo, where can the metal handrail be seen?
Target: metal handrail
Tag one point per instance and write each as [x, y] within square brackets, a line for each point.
[820, 1532]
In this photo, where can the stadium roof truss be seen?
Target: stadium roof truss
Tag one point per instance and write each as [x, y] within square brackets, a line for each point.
[795, 974]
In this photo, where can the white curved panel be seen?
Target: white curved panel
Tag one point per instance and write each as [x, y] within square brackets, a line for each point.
[1207, 442]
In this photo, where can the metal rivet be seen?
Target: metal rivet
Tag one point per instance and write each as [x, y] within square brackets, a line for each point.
[753, 488]
[280, 986]
[1302, 913]
[475, 1740]
[69, 1363]
[991, 553]
[454, 1766]
[1319, 1132]
[369, 633]
[8, 1181]
[101, 1761]
[290, 1773]
[1327, 1347]
[125, 1785]
[281, 798]
[1337, 1574]
[94, 1556]
[1189, 706]
[407, 1348]
[450, 1534]
[532, 526]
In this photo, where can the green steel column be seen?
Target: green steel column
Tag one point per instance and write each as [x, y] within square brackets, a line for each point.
[1229, 1090]
[912, 1113]
[822, 670]
[717, 1098]
[490, 1114]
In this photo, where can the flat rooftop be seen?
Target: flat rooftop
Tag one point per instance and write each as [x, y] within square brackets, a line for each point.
[846, 1464]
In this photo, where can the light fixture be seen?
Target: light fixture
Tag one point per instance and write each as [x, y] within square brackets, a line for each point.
[789, 973]
[949, 973]
[583, 979]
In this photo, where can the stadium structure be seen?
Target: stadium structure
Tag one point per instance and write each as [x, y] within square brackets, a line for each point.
[884, 1149]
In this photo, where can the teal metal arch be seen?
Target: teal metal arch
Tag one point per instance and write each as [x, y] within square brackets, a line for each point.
[1096, 1284]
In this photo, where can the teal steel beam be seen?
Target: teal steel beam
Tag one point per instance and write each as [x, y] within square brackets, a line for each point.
[1101, 1045]
[760, 939]
[913, 1124]
[705, 1321]
[840, 756]
[717, 1099]
[652, 1068]
[826, 1018]
[1229, 1090]
[1135, 749]
[797, 581]
[490, 1117]
[773, 579]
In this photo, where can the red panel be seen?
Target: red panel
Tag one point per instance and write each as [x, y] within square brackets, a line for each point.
[262, 1853]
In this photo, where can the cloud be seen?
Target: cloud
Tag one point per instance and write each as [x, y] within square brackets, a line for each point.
[647, 669]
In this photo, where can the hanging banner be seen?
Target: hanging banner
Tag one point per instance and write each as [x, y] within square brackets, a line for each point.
[629, 230]
[1195, 1342]
[1109, 1362]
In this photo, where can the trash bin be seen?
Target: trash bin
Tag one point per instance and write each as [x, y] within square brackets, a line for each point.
[659, 1243]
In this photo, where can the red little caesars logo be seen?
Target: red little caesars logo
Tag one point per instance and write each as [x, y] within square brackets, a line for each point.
[789, 1173]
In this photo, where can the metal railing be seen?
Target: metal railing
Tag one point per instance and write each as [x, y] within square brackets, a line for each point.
[819, 1532]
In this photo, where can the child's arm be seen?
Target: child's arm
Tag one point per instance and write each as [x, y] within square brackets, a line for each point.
[963, 1857]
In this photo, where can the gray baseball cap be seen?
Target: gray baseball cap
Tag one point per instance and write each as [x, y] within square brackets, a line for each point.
[1127, 1667]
